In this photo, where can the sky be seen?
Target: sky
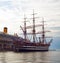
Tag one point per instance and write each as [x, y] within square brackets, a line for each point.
[12, 14]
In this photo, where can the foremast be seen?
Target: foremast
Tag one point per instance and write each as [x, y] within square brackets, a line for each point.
[24, 29]
[25, 32]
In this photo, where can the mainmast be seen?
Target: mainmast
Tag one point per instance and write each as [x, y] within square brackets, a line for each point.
[34, 35]
[43, 32]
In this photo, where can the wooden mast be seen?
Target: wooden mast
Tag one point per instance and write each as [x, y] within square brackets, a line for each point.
[43, 32]
[25, 28]
[34, 35]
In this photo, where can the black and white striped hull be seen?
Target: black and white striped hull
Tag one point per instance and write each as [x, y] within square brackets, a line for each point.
[33, 48]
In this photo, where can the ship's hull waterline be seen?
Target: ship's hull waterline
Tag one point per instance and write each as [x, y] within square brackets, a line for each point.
[33, 48]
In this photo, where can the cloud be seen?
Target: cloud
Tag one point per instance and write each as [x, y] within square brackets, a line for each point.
[52, 1]
[56, 0]
[5, 3]
[55, 28]
[12, 11]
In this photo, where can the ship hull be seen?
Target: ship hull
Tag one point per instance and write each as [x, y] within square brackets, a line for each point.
[33, 48]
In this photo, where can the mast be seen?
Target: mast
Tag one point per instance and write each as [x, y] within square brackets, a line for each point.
[24, 27]
[43, 32]
[34, 35]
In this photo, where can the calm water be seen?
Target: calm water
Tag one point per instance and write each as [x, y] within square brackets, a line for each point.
[30, 57]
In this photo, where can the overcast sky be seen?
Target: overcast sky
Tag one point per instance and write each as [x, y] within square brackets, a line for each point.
[12, 13]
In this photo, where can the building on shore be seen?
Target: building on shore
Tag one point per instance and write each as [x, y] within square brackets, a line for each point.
[7, 40]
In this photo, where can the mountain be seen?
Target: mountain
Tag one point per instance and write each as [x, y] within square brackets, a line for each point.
[55, 43]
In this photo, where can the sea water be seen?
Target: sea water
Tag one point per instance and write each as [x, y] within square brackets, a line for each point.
[30, 57]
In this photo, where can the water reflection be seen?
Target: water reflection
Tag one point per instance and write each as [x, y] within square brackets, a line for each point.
[30, 57]
[2, 58]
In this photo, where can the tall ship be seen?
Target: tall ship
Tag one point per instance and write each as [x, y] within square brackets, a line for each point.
[38, 43]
